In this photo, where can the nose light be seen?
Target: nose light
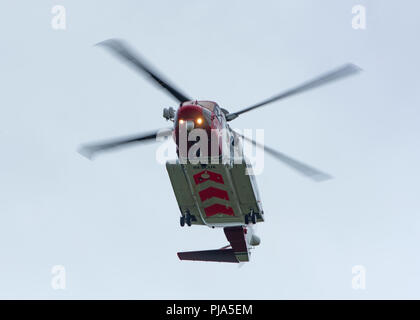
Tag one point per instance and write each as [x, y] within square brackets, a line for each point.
[199, 120]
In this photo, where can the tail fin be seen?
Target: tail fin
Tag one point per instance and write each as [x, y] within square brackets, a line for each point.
[238, 253]
[221, 255]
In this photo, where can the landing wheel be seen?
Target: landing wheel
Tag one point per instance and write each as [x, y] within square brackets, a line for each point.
[254, 218]
[188, 219]
[182, 221]
[247, 219]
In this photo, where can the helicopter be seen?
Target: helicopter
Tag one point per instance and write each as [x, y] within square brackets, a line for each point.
[216, 189]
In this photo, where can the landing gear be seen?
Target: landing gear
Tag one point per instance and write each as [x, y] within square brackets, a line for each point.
[251, 217]
[187, 218]
[254, 218]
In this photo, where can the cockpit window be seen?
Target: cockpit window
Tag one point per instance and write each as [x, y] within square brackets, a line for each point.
[217, 111]
[209, 105]
[207, 116]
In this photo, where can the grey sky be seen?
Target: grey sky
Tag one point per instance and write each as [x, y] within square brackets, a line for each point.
[113, 223]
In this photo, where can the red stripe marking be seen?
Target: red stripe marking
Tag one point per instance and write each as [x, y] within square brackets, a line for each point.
[205, 175]
[212, 192]
[218, 208]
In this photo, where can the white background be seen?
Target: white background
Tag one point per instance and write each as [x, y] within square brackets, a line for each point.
[114, 223]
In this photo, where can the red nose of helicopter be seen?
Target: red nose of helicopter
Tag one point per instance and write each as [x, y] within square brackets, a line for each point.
[192, 117]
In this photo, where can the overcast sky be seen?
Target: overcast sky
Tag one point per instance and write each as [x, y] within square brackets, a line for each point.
[114, 223]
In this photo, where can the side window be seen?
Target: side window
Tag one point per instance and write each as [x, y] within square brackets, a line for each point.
[218, 113]
[221, 117]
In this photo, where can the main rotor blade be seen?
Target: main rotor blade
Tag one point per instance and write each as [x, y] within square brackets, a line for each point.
[120, 49]
[304, 169]
[92, 149]
[341, 72]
